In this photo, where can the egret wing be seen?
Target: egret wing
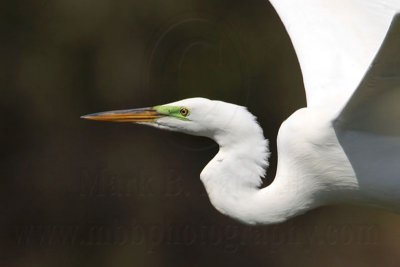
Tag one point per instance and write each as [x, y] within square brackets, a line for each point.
[375, 105]
[335, 42]
[368, 128]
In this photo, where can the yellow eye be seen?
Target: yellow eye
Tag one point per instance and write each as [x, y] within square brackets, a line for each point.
[184, 112]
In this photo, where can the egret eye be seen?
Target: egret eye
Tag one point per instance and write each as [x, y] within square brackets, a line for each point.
[184, 112]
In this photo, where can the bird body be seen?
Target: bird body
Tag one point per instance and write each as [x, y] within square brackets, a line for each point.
[344, 147]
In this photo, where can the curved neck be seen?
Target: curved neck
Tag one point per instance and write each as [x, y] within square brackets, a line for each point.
[233, 177]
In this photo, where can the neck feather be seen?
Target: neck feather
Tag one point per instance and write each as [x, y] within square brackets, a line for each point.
[233, 177]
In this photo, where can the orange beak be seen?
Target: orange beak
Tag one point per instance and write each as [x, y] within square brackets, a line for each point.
[127, 115]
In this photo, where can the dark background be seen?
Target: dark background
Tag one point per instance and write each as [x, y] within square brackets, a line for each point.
[80, 193]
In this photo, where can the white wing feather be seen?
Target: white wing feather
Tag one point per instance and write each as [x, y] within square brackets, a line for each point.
[335, 42]
[375, 106]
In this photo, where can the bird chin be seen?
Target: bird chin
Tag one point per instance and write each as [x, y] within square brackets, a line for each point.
[157, 125]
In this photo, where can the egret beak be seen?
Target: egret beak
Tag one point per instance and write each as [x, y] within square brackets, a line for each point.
[126, 115]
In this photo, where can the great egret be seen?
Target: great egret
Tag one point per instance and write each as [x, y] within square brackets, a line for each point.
[344, 147]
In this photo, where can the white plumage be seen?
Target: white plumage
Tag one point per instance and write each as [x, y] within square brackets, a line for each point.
[344, 147]
[335, 42]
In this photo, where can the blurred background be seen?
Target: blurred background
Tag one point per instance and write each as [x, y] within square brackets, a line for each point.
[80, 193]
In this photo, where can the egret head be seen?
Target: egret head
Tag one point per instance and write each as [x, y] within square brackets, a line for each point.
[195, 116]
[228, 124]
